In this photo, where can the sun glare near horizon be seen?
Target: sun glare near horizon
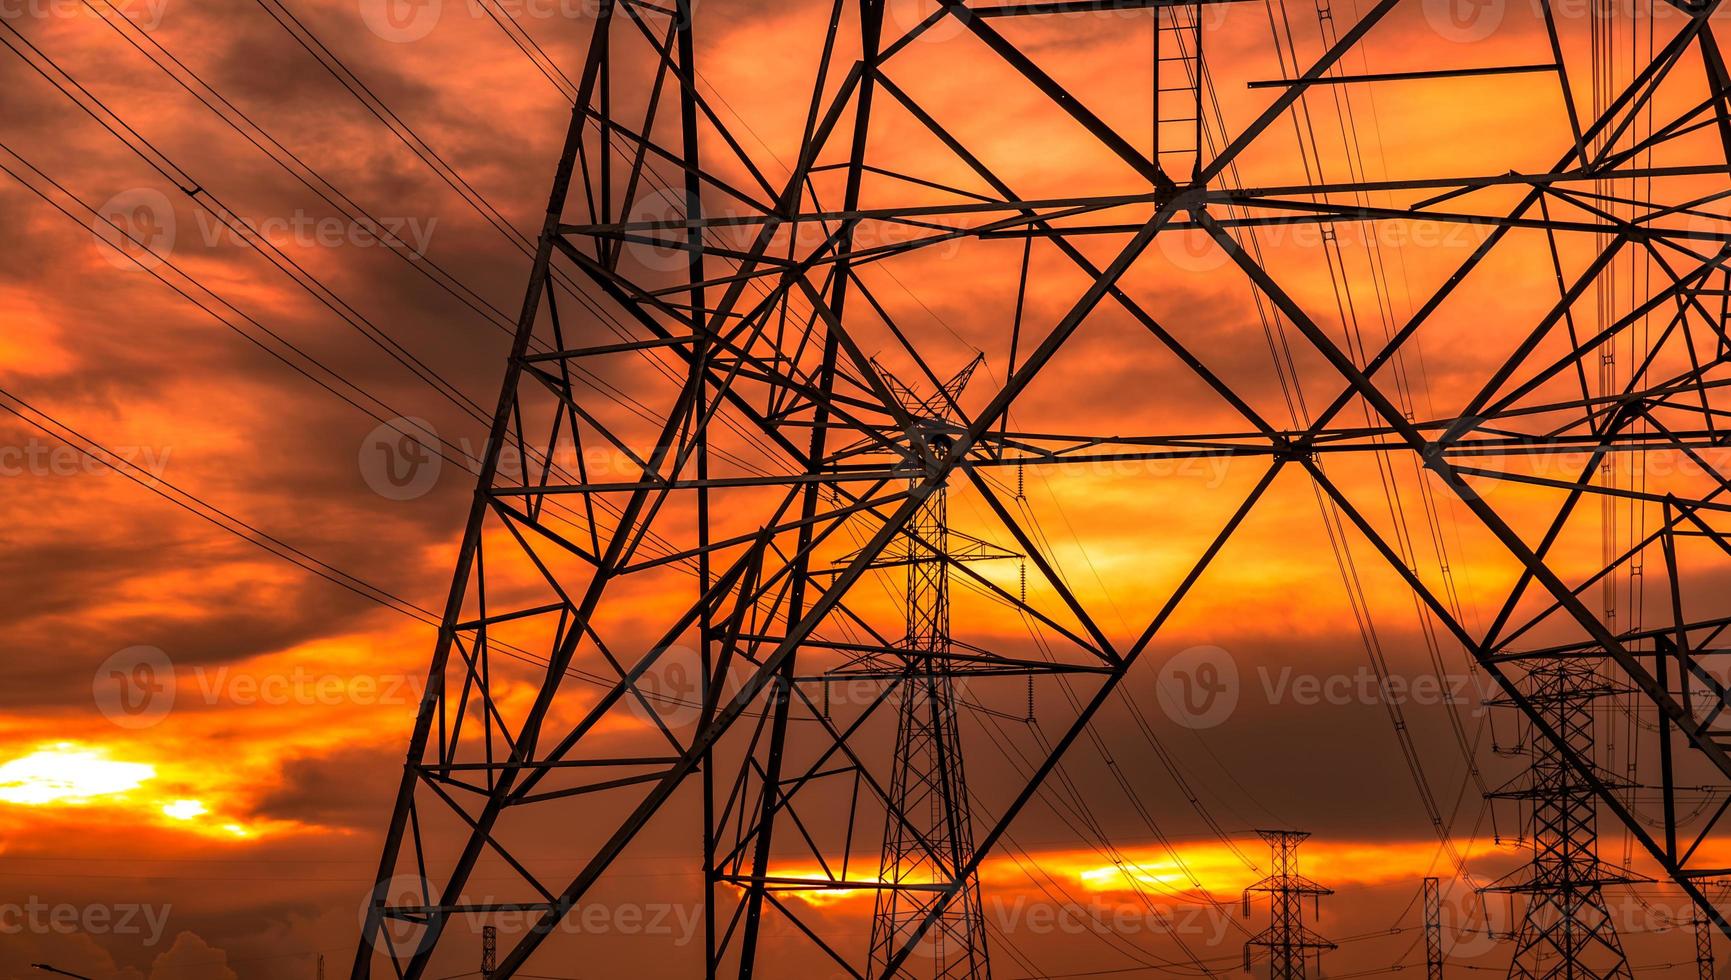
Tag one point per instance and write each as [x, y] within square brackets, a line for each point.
[69, 774]
[76, 775]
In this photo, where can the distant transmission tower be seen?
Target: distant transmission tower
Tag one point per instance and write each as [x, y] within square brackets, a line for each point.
[1287, 940]
[489, 951]
[928, 829]
[1566, 930]
[1703, 949]
[1433, 954]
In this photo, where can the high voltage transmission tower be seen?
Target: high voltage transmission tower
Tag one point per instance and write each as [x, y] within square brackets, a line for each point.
[1566, 930]
[1289, 944]
[1433, 947]
[929, 834]
[700, 470]
[1703, 931]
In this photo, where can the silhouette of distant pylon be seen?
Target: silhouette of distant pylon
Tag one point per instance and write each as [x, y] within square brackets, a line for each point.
[1286, 939]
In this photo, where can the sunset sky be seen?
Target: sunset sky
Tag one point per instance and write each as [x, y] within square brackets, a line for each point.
[200, 740]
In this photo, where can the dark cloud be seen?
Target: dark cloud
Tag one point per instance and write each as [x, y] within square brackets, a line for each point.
[347, 789]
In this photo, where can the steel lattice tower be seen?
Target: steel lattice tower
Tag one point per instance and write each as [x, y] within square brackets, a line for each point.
[698, 470]
[1566, 930]
[1433, 948]
[1288, 942]
[929, 835]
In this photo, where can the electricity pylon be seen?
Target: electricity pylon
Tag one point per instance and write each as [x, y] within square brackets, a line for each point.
[1288, 942]
[1566, 930]
[928, 832]
[648, 595]
[1433, 948]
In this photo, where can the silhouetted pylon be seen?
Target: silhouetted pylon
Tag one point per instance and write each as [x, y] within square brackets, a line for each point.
[1566, 930]
[1287, 940]
[928, 826]
[1433, 955]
